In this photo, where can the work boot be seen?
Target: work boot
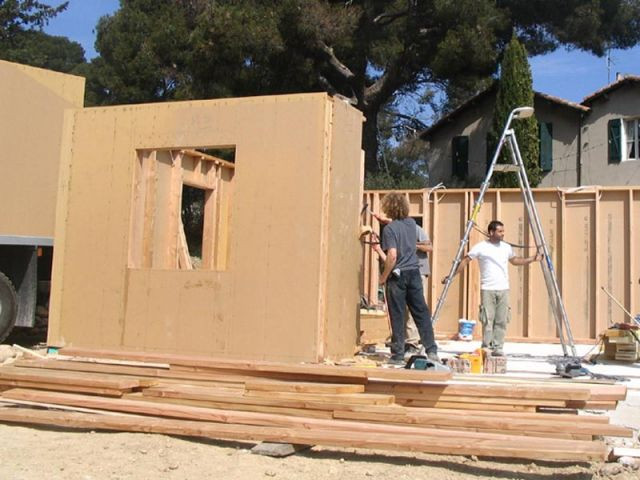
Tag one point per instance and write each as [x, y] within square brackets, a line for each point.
[395, 360]
[433, 356]
[410, 351]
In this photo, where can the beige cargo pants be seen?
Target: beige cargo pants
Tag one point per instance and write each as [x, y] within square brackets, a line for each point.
[495, 314]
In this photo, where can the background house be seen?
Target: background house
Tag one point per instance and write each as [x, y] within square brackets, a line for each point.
[594, 142]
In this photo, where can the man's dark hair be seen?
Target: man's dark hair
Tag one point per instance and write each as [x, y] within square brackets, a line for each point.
[493, 225]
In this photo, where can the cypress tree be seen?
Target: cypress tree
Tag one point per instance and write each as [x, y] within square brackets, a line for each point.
[515, 90]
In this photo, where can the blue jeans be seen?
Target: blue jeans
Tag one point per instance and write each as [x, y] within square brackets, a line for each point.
[406, 291]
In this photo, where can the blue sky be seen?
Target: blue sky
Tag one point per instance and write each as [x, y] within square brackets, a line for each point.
[571, 75]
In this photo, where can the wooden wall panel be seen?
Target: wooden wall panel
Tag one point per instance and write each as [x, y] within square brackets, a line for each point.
[538, 314]
[580, 251]
[614, 264]
[514, 216]
[449, 224]
[33, 102]
[592, 237]
[266, 303]
[634, 260]
[343, 260]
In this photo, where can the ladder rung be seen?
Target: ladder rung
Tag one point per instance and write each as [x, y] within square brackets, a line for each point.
[505, 167]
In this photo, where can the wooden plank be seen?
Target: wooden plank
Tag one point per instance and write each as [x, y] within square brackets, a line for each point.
[215, 395]
[209, 228]
[170, 260]
[465, 406]
[554, 417]
[184, 258]
[480, 401]
[149, 172]
[470, 443]
[345, 398]
[604, 405]
[551, 392]
[302, 387]
[495, 422]
[208, 158]
[110, 392]
[244, 407]
[94, 380]
[145, 372]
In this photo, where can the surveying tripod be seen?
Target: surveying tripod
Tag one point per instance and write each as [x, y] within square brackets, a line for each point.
[508, 137]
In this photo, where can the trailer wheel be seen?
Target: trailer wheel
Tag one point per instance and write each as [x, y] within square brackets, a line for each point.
[8, 306]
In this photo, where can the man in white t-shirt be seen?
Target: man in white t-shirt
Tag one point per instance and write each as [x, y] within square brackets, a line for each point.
[494, 255]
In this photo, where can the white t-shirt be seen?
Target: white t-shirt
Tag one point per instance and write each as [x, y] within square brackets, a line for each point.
[494, 264]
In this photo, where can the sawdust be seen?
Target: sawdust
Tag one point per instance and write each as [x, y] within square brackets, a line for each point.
[34, 453]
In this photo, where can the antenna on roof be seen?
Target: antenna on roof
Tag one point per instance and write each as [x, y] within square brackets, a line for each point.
[610, 62]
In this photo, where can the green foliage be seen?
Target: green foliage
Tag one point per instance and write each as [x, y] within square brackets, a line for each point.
[22, 41]
[17, 16]
[515, 90]
[388, 181]
[38, 49]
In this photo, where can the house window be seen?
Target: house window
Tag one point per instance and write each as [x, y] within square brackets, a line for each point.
[460, 156]
[631, 139]
[623, 140]
[614, 140]
[545, 136]
[181, 209]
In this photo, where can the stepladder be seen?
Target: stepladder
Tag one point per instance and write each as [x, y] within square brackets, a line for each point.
[509, 141]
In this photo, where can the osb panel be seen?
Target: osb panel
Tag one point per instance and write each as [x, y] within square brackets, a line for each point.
[33, 102]
[266, 303]
[614, 264]
[449, 214]
[578, 293]
[634, 260]
[344, 261]
[538, 315]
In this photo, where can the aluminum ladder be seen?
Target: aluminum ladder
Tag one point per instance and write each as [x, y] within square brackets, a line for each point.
[508, 137]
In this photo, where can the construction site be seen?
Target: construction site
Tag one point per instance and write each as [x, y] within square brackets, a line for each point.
[174, 349]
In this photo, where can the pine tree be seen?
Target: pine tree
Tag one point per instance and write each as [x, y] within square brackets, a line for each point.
[515, 90]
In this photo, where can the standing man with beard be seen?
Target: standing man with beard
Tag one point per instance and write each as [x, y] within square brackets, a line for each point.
[493, 256]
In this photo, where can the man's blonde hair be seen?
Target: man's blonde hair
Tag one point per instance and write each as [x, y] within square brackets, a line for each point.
[395, 206]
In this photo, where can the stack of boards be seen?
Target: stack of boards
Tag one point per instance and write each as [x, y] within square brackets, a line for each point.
[333, 406]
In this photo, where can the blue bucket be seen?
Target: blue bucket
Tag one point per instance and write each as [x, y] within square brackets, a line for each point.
[465, 329]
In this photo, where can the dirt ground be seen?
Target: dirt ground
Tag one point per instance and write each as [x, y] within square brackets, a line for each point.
[35, 453]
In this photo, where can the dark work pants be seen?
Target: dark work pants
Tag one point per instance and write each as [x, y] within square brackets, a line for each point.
[406, 291]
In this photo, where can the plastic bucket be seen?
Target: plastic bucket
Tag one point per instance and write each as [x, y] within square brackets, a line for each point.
[465, 329]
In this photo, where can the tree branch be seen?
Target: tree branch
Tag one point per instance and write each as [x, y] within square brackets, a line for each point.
[336, 64]
[385, 19]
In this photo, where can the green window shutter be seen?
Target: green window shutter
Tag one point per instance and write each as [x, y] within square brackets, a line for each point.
[546, 146]
[460, 156]
[614, 128]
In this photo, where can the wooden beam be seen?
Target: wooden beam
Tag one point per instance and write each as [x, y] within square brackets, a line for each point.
[184, 258]
[208, 158]
[302, 387]
[464, 443]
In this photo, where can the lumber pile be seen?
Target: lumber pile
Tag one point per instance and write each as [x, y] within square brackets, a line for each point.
[409, 411]
[621, 344]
